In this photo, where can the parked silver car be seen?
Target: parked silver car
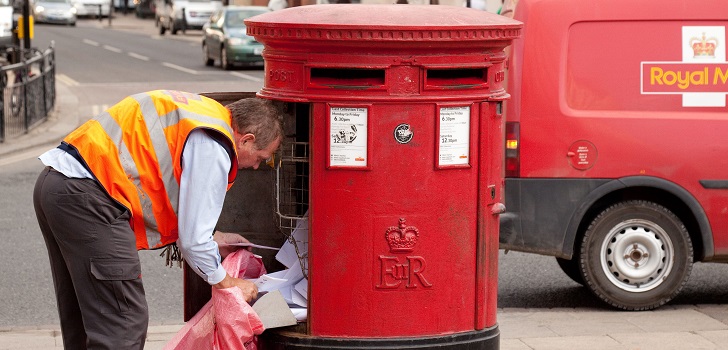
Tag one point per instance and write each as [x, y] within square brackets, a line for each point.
[54, 11]
[176, 15]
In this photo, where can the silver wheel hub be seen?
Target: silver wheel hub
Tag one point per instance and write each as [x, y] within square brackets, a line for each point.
[637, 255]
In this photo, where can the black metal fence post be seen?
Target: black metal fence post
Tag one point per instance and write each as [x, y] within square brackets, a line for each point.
[25, 102]
[26, 24]
[3, 84]
[184, 20]
[24, 80]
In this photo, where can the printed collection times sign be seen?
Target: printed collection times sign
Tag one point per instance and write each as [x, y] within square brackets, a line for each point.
[454, 143]
[348, 136]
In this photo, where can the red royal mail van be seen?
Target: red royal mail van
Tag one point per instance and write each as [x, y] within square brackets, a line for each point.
[617, 142]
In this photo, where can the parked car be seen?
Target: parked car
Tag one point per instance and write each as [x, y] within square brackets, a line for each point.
[145, 9]
[90, 8]
[54, 11]
[176, 15]
[130, 4]
[224, 38]
[7, 23]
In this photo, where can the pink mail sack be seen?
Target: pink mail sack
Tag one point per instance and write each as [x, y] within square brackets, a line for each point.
[226, 322]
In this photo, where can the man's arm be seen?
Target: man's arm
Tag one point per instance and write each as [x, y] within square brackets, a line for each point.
[203, 184]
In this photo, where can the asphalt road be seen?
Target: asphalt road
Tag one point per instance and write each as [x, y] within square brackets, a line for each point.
[26, 291]
[101, 65]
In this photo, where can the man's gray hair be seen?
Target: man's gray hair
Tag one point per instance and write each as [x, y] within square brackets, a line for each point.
[260, 117]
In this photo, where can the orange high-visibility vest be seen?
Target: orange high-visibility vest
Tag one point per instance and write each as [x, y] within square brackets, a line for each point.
[134, 150]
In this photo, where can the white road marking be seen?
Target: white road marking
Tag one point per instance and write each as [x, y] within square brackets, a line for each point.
[112, 49]
[66, 80]
[97, 109]
[30, 154]
[90, 42]
[180, 68]
[247, 76]
[138, 56]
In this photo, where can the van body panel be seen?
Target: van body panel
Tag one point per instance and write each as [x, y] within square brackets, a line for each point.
[543, 208]
[633, 86]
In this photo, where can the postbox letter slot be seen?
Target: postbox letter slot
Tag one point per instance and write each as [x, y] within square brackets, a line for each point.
[347, 78]
[457, 78]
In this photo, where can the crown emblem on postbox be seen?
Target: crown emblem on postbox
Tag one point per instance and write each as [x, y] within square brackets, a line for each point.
[703, 47]
[402, 238]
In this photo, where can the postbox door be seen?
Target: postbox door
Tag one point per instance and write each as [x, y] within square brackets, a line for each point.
[490, 197]
[393, 244]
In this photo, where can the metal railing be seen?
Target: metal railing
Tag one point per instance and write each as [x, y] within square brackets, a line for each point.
[28, 92]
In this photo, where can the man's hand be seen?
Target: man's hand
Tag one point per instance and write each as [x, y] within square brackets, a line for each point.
[250, 291]
[224, 239]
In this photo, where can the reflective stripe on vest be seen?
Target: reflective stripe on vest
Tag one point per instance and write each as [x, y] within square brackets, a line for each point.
[134, 150]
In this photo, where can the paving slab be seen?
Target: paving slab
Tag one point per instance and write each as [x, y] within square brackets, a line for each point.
[578, 342]
[666, 320]
[24, 339]
[665, 341]
[523, 324]
[716, 337]
[513, 344]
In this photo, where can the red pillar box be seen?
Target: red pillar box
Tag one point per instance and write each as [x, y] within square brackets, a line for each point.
[400, 106]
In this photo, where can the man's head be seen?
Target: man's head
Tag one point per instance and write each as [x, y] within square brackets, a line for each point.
[258, 130]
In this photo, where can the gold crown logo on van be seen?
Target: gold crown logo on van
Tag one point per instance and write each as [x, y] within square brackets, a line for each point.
[703, 47]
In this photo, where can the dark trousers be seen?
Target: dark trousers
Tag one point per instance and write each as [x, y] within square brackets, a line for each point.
[94, 263]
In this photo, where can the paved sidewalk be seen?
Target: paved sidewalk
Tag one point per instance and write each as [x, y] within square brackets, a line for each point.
[679, 328]
[682, 327]
[49, 338]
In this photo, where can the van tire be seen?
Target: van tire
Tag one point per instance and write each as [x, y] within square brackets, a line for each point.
[636, 255]
[162, 29]
[571, 269]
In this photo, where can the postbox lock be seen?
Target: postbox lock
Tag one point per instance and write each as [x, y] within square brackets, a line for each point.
[491, 188]
[403, 133]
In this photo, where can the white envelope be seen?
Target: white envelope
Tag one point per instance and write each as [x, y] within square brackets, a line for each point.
[287, 255]
[271, 281]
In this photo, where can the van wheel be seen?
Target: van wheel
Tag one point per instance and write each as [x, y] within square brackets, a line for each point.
[206, 56]
[162, 29]
[571, 269]
[636, 255]
[173, 28]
